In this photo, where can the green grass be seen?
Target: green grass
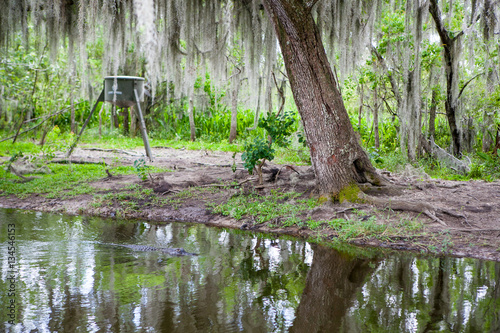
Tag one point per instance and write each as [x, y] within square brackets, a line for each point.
[64, 181]
[24, 147]
[349, 229]
[278, 205]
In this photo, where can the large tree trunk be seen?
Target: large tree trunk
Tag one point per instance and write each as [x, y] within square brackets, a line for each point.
[336, 155]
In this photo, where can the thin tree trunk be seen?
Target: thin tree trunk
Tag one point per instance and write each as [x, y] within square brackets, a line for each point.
[257, 110]
[360, 114]
[114, 115]
[73, 123]
[336, 155]
[432, 113]
[192, 126]
[234, 108]
[133, 122]
[450, 65]
[100, 121]
[3, 114]
[388, 73]
[125, 121]
[492, 78]
[375, 120]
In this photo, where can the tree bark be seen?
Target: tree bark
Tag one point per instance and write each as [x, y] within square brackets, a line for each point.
[376, 134]
[125, 121]
[337, 157]
[133, 122]
[114, 116]
[192, 126]
[100, 121]
[361, 100]
[72, 116]
[234, 108]
[432, 113]
[451, 70]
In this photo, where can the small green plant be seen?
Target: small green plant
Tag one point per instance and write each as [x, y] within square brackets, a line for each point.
[140, 169]
[279, 128]
[313, 224]
[255, 155]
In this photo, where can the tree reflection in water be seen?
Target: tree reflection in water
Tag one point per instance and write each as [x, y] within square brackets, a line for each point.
[400, 293]
[332, 283]
[240, 282]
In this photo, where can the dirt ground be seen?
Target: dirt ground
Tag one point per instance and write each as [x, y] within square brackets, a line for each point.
[470, 224]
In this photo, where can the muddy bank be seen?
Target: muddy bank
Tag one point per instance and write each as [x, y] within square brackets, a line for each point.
[201, 180]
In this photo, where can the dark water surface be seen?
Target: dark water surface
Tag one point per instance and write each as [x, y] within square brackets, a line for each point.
[57, 276]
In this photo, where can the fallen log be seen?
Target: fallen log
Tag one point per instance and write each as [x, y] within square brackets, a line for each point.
[460, 166]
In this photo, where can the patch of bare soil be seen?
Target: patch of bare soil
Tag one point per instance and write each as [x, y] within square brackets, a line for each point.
[466, 223]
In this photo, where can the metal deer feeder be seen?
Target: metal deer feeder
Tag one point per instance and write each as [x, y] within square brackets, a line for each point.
[122, 91]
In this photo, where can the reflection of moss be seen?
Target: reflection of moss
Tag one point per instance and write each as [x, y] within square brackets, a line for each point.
[353, 250]
[126, 281]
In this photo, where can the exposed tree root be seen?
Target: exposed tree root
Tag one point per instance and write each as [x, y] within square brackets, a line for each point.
[65, 161]
[114, 151]
[418, 207]
[285, 166]
[18, 174]
[230, 185]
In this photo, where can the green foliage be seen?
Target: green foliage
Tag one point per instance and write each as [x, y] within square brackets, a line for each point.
[490, 167]
[392, 27]
[55, 141]
[212, 123]
[255, 151]
[279, 128]
[140, 169]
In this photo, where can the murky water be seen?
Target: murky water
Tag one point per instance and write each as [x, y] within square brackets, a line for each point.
[56, 275]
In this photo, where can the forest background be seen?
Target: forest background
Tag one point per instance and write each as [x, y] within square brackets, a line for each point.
[410, 72]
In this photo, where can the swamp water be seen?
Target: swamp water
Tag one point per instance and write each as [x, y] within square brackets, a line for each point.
[62, 278]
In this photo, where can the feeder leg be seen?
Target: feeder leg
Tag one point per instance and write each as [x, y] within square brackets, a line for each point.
[142, 127]
[73, 145]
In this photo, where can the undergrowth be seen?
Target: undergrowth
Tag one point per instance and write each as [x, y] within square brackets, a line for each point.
[283, 206]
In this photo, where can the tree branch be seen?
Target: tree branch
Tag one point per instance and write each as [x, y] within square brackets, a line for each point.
[436, 15]
[465, 85]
